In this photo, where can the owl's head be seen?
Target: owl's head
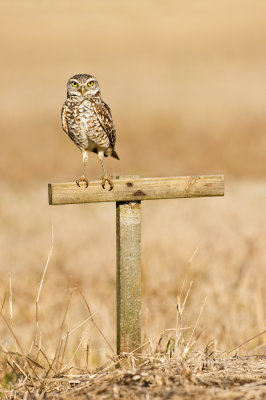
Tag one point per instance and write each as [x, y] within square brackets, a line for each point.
[83, 85]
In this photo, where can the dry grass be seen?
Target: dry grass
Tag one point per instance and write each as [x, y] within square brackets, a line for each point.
[226, 268]
[185, 83]
[158, 376]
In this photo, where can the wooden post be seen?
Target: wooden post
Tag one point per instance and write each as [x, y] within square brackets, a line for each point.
[128, 273]
[128, 276]
[128, 192]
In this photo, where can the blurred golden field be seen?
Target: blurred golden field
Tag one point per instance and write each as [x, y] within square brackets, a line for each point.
[186, 84]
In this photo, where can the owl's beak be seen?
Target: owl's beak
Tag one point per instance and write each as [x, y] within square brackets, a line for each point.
[82, 90]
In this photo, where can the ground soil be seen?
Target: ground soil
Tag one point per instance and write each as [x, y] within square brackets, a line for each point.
[205, 378]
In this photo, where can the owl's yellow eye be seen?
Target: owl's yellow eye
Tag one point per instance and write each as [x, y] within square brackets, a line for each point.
[90, 83]
[74, 84]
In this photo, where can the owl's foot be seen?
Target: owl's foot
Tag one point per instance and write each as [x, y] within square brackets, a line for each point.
[83, 179]
[109, 180]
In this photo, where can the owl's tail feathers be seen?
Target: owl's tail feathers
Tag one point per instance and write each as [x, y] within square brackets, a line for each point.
[111, 152]
[114, 154]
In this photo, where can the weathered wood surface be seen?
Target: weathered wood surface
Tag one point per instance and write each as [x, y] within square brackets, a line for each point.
[128, 276]
[133, 189]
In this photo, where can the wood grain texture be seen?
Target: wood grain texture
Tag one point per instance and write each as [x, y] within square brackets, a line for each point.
[128, 276]
[133, 189]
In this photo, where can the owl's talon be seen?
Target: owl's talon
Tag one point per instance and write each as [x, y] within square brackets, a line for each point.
[83, 179]
[109, 180]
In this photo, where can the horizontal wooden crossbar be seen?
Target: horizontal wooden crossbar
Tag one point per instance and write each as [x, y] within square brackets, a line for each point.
[132, 189]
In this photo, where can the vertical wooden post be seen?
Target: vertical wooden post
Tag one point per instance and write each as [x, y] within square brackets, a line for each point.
[128, 276]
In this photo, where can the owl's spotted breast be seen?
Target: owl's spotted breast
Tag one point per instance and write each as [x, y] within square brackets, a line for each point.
[84, 126]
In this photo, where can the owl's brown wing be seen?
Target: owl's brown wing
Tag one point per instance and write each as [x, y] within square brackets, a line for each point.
[63, 118]
[103, 112]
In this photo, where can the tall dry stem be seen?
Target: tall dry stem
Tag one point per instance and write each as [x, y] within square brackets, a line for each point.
[95, 324]
[41, 284]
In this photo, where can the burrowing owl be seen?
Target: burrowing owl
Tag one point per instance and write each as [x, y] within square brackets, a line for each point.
[87, 120]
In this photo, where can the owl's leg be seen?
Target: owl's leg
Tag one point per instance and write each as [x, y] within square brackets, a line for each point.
[105, 178]
[84, 161]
